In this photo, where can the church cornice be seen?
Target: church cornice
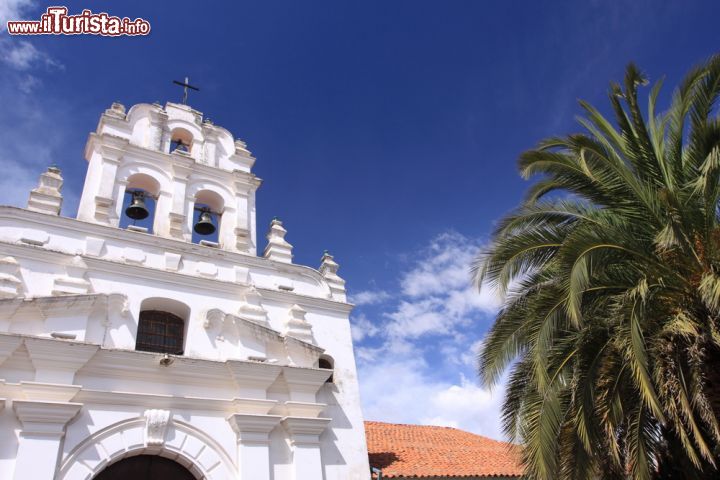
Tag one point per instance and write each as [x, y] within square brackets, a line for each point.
[171, 246]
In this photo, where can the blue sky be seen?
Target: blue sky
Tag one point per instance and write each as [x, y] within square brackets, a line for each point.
[385, 131]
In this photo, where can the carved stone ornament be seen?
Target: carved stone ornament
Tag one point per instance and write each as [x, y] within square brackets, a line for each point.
[156, 426]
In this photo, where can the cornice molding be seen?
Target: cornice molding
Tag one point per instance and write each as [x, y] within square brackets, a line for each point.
[48, 392]
[299, 409]
[50, 356]
[249, 406]
[45, 418]
[177, 278]
[168, 245]
[253, 429]
[305, 431]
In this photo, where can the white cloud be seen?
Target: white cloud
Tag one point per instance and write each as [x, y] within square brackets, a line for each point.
[33, 127]
[469, 407]
[397, 390]
[438, 295]
[437, 316]
[17, 53]
[13, 10]
[22, 55]
[369, 297]
[362, 328]
[443, 265]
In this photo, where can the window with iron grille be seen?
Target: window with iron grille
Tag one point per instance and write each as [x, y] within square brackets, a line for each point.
[160, 332]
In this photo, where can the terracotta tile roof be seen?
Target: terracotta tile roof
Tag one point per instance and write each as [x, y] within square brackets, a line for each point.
[402, 451]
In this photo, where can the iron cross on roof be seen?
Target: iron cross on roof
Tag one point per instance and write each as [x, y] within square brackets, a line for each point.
[185, 86]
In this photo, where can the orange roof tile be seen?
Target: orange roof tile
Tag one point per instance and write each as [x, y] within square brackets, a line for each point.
[402, 451]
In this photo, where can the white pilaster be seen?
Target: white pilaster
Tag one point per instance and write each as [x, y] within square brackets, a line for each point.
[253, 438]
[242, 219]
[103, 153]
[305, 439]
[43, 428]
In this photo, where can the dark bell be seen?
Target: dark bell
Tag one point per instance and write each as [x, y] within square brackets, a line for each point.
[137, 209]
[204, 226]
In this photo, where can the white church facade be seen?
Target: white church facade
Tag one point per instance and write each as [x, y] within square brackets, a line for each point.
[150, 351]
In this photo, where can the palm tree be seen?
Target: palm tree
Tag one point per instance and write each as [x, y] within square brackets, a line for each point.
[610, 274]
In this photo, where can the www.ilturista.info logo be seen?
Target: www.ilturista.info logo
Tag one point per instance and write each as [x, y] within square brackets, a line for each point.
[56, 21]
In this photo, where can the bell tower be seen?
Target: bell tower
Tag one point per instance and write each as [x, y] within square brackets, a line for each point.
[189, 177]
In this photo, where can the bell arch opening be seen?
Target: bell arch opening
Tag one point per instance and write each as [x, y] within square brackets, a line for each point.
[208, 207]
[145, 467]
[181, 140]
[138, 209]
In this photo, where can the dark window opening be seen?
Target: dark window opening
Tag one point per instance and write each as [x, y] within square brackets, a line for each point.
[325, 363]
[160, 332]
